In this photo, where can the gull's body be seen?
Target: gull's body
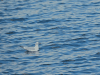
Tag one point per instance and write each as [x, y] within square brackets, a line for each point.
[36, 48]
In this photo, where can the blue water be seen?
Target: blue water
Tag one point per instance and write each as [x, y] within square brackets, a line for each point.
[68, 30]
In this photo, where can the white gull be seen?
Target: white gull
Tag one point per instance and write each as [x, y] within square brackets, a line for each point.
[36, 48]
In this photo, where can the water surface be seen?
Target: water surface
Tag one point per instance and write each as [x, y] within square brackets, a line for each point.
[68, 30]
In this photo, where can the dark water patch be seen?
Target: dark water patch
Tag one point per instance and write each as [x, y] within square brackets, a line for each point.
[44, 65]
[13, 9]
[77, 31]
[31, 22]
[45, 21]
[32, 57]
[38, 30]
[47, 27]
[96, 55]
[2, 62]
[5, 41]
[25, 31]
[16, 41]
[26, 28]
[80, 49]
[7, 61]
[73, 19]
[80, 38]
[84, 49]
[68, 61]
[33, 16]
[98, 35]
[95, 3]
[6, 72]
[84, 5]
[84, 35]
[48, 47]
[49, 33]
[87, 64]
[28, 73]
[25, 63]
[2, 21]
[81, 42]
[88, 71]
[94, 40]
[95, 47]
[57, 46]
[68, 20]
[9, 20]
[10, 52]
[61, 3]
[60, 45]
[31, 37]
[80, 59]
[1, 14]
[75, 45]
[50, 20]
[18, 8]
[1, 28]
[55, 28]
[18, 38]
[11, 33]
[91, 14]
[18, 19]
[14, 58]
[81, 5]
[95, 59]
[97, 24]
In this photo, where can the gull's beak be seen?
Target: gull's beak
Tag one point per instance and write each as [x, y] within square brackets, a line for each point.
[39, 43]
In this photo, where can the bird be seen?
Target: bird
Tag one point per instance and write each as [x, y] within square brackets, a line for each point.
[36, 48]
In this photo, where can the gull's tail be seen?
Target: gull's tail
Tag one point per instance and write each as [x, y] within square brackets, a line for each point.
[22, 46]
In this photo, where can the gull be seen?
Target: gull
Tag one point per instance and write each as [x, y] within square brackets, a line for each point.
[36, 48]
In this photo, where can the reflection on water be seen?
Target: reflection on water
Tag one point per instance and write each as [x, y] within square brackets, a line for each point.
[32, 52]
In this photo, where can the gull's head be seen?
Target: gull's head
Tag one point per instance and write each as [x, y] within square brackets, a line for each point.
[37, 43]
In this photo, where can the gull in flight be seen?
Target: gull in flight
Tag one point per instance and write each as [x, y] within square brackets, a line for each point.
[36, 48]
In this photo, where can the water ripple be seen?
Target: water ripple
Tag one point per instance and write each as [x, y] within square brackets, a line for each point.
[69, 33]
